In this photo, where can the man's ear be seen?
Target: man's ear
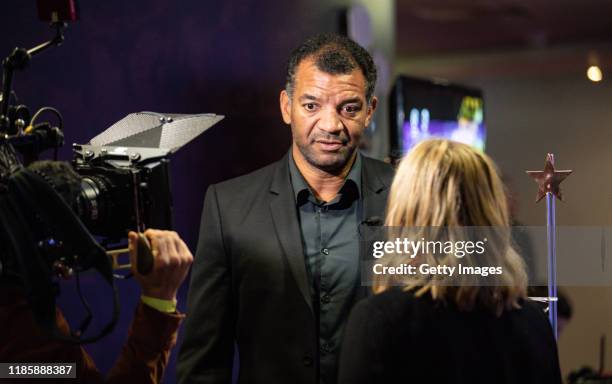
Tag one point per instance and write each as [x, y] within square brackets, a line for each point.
[371, 109]
[285, 106]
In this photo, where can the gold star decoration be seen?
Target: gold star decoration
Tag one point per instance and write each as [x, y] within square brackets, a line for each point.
[549, 179]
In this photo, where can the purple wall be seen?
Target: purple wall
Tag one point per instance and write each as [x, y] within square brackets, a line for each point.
[185, 57]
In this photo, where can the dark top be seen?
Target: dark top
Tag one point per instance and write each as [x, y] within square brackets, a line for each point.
[394, 337]
[331, 250]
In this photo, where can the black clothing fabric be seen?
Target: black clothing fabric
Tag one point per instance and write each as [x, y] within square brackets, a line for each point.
[331, 247]
[34, 219]
[249, 285]
[394, 337]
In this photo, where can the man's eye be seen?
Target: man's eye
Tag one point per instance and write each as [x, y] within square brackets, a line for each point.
[310, 106]
[351, 109]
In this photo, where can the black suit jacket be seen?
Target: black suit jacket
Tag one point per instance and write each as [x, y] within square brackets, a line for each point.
[249, 283]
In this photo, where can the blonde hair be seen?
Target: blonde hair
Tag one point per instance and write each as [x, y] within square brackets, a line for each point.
[445, 184]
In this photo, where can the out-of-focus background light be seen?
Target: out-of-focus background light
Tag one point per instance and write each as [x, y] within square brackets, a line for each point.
[594, 73]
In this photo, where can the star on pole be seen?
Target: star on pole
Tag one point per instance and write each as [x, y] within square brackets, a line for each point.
[549, 179]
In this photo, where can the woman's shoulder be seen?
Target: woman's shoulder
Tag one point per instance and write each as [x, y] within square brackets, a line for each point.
[399, 304]
[391, 296]
[533, 313]
[392, 304]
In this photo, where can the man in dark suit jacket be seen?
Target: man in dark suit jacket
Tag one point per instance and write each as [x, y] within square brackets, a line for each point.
[277, 266]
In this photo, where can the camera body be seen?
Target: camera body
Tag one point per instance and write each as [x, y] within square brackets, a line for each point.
[122, 189]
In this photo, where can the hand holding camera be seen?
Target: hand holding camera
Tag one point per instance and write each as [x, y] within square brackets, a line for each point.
[171, 262]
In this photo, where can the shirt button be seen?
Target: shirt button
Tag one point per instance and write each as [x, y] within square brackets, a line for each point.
[325, 251]
[326, 299]
[307, 361]
[325, 348]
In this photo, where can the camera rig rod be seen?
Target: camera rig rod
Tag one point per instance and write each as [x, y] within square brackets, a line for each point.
[18, 60]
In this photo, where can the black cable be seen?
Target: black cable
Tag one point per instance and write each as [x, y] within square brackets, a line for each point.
[15, 98]
[87, 320]
[51, 109]
[60, 119]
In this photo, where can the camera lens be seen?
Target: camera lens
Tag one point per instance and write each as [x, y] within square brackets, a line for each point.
[93, 201]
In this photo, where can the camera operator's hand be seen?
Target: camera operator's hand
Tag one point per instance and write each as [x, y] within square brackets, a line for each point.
[172, 260]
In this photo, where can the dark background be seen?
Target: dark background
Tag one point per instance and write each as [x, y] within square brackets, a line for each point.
[190, 56]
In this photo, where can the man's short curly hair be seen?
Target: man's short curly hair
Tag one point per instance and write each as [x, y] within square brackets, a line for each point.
[334, 54]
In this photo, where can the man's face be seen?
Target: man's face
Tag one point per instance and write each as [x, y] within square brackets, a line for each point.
[328, 114]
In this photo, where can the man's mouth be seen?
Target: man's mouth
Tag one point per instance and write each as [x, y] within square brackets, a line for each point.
[330, 145]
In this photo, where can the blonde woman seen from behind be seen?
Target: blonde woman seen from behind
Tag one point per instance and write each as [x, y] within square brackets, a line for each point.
[438, 330]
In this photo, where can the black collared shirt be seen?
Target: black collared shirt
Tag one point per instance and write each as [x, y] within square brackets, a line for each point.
[331, 250]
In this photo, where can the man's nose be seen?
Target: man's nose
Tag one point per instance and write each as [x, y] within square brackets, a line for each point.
[330, 121]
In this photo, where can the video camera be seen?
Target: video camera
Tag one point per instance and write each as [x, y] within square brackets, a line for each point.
[56, 219]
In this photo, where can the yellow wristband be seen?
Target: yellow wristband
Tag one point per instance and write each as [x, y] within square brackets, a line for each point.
[166, 306]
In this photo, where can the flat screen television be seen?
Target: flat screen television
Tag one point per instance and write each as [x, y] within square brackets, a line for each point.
[422, 109]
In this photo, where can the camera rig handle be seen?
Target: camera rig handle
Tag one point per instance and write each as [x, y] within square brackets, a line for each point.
[144, 260]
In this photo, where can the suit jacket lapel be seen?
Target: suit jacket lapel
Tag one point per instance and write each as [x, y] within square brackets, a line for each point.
[375, 192]
[286, 224]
